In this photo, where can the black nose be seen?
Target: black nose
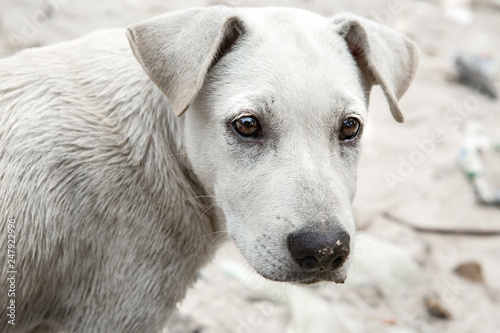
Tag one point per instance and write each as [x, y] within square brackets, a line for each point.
[319, 250]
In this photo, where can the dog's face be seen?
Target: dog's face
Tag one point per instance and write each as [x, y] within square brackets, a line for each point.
[274, 132]
[268, 133]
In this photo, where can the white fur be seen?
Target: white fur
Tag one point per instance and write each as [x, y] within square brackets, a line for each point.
[117, 201]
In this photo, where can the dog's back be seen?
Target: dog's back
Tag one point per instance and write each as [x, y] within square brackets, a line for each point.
[90, 171]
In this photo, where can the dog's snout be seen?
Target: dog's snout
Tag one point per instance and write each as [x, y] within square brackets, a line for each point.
[319, 250]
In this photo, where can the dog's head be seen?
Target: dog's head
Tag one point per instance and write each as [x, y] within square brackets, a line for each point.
[276, 103]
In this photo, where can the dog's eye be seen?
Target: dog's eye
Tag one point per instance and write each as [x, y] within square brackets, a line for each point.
[247, 126]
[350, 129]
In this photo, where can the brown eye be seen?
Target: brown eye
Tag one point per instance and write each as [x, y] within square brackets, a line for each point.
[247, 126]
[350, 129]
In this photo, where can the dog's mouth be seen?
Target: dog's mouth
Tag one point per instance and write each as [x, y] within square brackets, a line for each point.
[340, 280]
[305, 257]
[306, 279]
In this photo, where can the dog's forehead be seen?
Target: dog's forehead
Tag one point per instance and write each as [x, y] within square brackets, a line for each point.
[290, 32]
[275, 22]
[292, 59]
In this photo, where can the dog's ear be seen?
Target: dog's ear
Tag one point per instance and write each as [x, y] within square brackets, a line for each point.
[384, 56]
[177, 49]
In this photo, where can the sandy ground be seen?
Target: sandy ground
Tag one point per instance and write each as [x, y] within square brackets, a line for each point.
[408, 171]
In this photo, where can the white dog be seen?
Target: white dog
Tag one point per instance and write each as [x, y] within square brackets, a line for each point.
[118, 172]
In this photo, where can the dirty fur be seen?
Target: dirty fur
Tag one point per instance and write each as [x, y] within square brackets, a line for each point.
[118, 201]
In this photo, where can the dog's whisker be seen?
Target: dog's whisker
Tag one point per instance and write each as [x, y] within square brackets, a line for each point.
[199, 197]
[206, 211]
[218, 241]
[179, 202]
[212, 234]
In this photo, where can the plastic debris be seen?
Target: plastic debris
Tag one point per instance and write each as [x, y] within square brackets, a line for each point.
[385, 265]
[476, 72]
[379, 269]
[474, 168]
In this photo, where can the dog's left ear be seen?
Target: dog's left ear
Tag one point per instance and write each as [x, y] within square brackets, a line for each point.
[178, 49]
[383, 55]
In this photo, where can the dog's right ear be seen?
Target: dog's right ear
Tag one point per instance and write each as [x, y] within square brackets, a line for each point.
[178, 49]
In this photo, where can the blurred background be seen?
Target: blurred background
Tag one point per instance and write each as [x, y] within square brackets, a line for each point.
[428, 200]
